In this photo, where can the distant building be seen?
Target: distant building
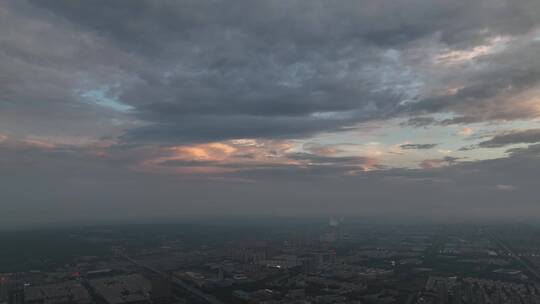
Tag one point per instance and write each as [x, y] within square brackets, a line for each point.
[161, 292]
[284, 261]
[4, 289]
[62, 293]
[240, 294]
[126, 289]
[309, 263]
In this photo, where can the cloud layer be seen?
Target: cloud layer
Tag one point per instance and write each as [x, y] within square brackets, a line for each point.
[374, 94]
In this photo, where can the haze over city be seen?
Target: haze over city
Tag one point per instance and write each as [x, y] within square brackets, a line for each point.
[145, 110]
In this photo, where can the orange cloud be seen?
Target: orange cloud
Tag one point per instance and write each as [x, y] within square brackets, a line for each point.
[466, 131]
[207, 152]
[325, 150]
[218, 157]
[370, 164]
[432, 163]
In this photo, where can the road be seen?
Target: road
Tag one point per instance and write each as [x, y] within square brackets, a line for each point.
[195, 292]
[520, 260]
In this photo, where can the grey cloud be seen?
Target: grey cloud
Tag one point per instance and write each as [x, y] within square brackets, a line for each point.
[332, 160]
[45, 64]
[431, 121]
[216, 127]
[289, 64]
[493, 87]
[530, 152]
[419, 122]
[507, 138]
[311, 165]
[301, 22]
[435, 163]
[418, 146]
[510, 138]
[188, 163]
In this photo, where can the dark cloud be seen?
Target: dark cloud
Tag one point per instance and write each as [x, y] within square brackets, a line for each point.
[141, 23]
[419, 122]
[205, 128]
[418, 146]
[510, 138]
[499, 86]
[319, 160]
[202, 70]
[506, 138]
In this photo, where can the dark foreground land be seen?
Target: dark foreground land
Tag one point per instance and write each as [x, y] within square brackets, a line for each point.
[272, 260]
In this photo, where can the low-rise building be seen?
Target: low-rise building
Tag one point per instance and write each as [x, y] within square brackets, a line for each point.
[61, 293]
[126, 289]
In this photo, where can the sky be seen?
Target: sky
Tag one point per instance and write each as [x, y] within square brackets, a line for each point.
[128, 110]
